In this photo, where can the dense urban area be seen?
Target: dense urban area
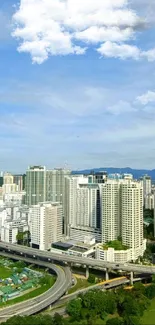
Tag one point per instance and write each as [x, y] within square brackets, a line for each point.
[107, 217]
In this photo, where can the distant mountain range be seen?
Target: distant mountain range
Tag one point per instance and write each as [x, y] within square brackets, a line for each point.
[137, 173]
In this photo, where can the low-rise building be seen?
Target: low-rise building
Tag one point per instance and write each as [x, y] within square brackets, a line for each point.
[119, 256]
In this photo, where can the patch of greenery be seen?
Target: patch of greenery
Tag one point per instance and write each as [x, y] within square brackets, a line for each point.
[81, 284]
[116, 244]
[5, 272]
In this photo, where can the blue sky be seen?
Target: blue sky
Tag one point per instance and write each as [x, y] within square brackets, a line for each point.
[77, 83]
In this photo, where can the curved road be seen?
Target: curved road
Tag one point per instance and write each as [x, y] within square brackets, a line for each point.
[85, 261]
[32, 306]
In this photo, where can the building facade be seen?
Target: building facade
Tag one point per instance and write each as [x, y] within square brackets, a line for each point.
[122, 214]
[45, 224]
[110, 215]
[35, 185]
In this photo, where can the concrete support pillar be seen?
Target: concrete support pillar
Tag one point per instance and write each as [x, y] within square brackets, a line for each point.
[131, 278]
[87, 272]
[107, 275]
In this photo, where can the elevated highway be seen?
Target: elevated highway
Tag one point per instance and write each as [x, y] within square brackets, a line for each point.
[35, 305]
[74, 260]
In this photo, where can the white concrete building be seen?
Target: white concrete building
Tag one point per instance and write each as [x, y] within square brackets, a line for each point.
[80, 233]
[82, 204]
[10, 229]
[86, 205]
[14, 197]
[45, 224]
[131, 204]
[8, 185]
[110, 211]
[71, 185]
[122, 214]
[119, 256]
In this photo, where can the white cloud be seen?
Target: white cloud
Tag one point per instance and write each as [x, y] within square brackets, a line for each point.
[146, 98]
[125, 51]
[122, 51]
[56, 27]
[96, 34]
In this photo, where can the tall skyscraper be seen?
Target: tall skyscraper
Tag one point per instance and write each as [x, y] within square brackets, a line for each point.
[86, 205]
[122, 214]
[71, 185]
[110, 215]
[146, 185]
[55, 184]
[55, 188]
[45, 224]
[131, 203]
[82, 207]
[35, 185]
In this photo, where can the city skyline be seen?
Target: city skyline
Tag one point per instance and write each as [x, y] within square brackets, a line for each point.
[85, 107]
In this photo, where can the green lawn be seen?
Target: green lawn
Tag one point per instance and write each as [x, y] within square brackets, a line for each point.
[5, 272]
[31, 294]
[81, 284]
[149, 315]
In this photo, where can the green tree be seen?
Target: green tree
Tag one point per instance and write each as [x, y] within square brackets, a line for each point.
[130, 307]
[150, 291]
[115, 321]
[57, 319]
[20, 238]
[132, 320]
[74, 308]
[91, 278]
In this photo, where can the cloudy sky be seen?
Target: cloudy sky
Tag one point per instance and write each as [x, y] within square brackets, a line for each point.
[77, 83]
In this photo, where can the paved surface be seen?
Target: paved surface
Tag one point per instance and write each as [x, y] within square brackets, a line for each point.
[55, 257]
[32, 306]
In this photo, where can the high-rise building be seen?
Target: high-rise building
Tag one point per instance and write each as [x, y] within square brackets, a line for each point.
[97, 177]
[8, 184]
[55, 187]
[7, 178]
[45, 224]
[86, 205]
[35, 185]
[131, 204]
[83, 210]
[110, 218]
[18, 180]
[149, 201]
[122, 214]
[146, 185]
[71, 185]
[55, 184]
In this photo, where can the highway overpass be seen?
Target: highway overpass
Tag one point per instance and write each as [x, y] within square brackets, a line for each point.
[74, 260]
[37, 304]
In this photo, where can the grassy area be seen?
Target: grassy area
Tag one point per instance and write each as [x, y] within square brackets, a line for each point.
[149, 315]
[30, 295]
[81, 284]
[5, 272]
